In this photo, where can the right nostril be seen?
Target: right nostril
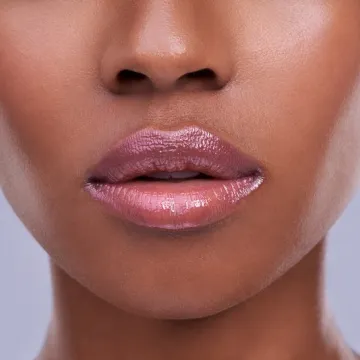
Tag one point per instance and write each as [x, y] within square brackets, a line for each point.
[129, 81]
[130, 75]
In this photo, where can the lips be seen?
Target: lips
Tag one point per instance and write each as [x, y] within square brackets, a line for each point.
[174, 180]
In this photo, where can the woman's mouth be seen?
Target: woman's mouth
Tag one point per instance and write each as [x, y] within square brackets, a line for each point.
[181, 179]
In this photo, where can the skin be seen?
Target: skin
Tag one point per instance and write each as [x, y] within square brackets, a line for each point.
[287, 93]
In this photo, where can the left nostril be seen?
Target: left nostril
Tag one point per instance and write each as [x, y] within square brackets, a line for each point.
[200, 74]
[206, 78]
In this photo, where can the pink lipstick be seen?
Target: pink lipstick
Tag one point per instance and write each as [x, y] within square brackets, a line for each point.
[188, 178]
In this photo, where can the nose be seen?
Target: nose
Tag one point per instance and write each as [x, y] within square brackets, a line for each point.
[170, 45]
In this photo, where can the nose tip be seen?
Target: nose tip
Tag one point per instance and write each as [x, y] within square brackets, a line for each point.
[159, 55]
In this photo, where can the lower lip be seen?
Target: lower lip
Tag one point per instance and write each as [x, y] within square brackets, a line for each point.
[174, 205]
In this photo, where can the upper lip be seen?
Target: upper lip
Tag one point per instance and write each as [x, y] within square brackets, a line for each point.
[191, 148]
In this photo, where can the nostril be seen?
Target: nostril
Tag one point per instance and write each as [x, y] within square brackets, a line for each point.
[129, 81]
[130, 75]
[204, 79]
[133, 82]
[200, 74]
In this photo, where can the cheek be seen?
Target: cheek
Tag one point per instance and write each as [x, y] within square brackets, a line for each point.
[338, 177]
[46, 100]
[298, 106]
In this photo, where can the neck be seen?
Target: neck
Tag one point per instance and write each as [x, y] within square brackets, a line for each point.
[286, 321]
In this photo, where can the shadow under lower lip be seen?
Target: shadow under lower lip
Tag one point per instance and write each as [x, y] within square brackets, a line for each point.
[174, 205]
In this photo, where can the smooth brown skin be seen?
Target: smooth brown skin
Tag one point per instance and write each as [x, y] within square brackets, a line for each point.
[287, 92]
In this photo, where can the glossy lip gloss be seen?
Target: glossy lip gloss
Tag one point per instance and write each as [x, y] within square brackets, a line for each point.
[181, 179]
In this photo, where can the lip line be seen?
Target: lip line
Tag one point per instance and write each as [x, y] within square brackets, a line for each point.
[172, 151]
[213, 175]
